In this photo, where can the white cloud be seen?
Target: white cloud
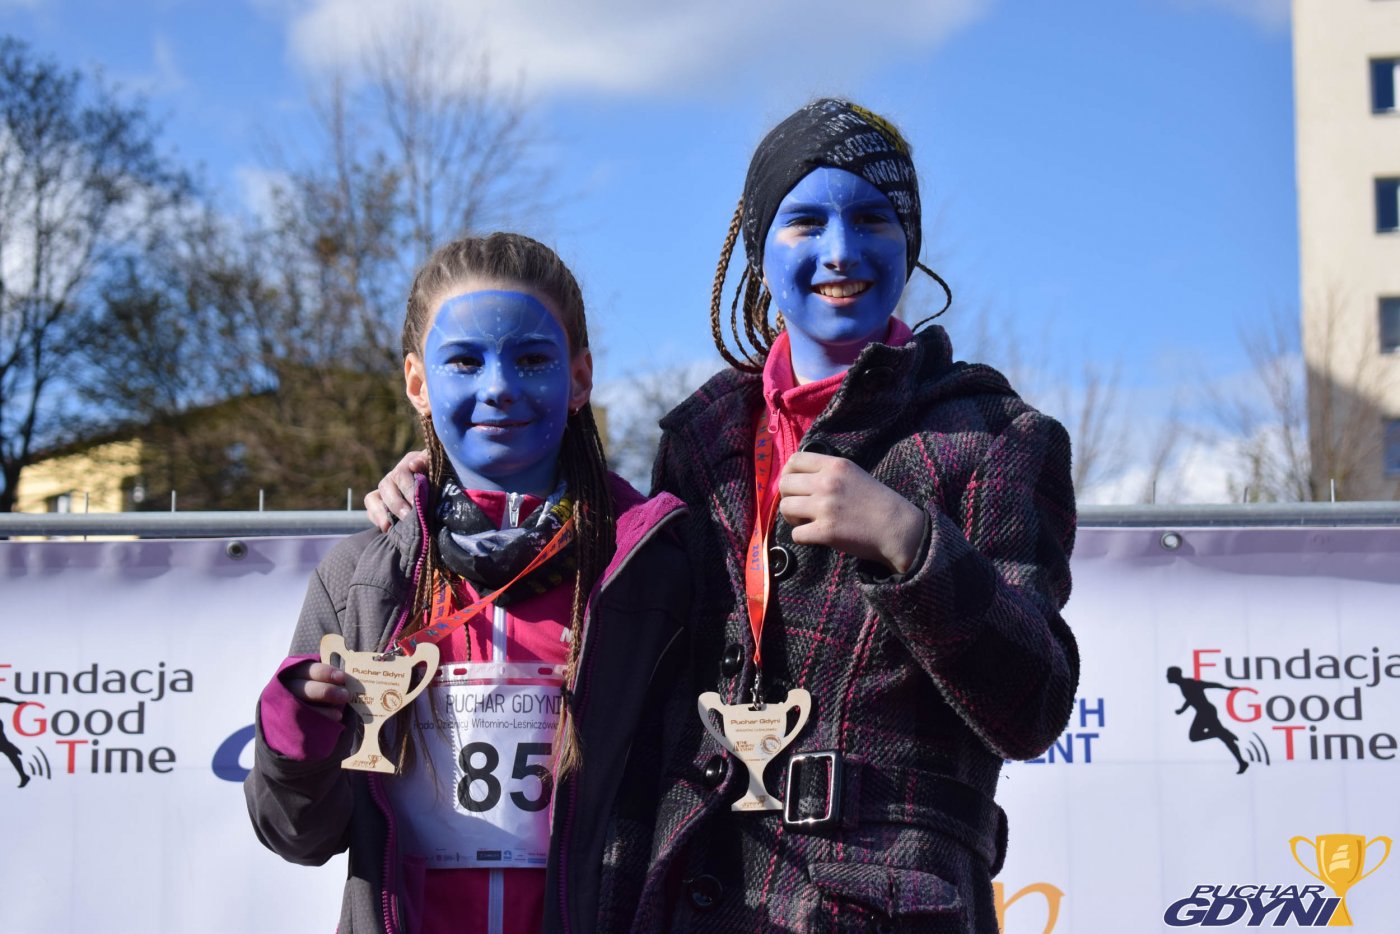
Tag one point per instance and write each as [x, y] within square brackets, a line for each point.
[1271, 14]
[638, 46]
[167, 77]
[1203, 471]
[256, 187]
[163, 78]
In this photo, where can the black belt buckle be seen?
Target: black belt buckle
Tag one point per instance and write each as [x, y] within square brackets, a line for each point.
[830, 760]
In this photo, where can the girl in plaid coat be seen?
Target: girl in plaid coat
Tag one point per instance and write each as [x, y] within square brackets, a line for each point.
[917, 560]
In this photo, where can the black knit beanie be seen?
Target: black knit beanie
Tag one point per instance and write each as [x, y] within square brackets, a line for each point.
[840, 135]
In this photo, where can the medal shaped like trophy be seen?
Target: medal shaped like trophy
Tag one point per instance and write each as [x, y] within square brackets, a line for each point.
[755, 733]
[379, 688]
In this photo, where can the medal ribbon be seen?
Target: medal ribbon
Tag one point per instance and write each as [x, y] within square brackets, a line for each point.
[756, 583]
[442, 626]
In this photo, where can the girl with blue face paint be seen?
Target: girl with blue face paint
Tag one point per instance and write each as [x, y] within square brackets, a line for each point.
[498, 363]
[521, 557]
[885, 540]
[834, 261]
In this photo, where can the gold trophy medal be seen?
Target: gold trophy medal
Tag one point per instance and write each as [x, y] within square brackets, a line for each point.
[1340, 859]
[379, 688]
[754, 734]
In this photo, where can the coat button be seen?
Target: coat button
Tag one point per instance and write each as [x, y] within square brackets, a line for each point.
[781, 562]
[705, 891]
[818, 447]
[733, 661]
[877, 377]
[883, 926]
[714, 771]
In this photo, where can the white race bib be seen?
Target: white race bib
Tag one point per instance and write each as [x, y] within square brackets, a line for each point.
[482, 798]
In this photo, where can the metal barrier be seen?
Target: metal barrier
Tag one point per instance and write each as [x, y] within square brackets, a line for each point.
[254, 524]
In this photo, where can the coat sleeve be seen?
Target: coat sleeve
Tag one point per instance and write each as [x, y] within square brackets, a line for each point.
[301, 807]
[980, 609]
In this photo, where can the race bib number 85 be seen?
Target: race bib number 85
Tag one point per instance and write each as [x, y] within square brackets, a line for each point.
[479, 761]
[483, 800]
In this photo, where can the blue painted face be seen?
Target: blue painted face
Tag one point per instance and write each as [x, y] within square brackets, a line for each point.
[834, 261]
[499, 382]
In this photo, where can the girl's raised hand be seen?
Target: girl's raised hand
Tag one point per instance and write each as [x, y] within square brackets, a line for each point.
[832, 501]
[393, 499]
[320, 686]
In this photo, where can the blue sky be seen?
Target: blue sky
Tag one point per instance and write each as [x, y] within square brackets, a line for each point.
[1103, 181]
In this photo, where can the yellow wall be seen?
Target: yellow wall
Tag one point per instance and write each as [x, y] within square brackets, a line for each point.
[97, 472]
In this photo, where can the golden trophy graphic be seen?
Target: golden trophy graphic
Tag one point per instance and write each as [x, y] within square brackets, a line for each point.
[1340, 857]
[755, 735]
[379, 688]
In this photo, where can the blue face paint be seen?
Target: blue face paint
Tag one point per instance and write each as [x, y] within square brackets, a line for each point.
[499, 382]
[834, 261]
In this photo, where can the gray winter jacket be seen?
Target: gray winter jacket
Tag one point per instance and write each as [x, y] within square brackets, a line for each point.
[309, 811]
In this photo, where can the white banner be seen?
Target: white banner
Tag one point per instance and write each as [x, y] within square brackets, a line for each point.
[129, 671]
[1280, 645]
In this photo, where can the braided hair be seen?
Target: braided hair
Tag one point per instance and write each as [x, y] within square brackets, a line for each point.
[583, 466]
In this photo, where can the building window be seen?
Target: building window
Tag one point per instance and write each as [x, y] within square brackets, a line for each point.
[1383, 81]
[1390, 325]
[1387, 205]
[1392, 447]
[63, 502]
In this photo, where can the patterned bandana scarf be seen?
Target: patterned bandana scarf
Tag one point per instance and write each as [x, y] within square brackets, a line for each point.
[839, 135]
[488, 557]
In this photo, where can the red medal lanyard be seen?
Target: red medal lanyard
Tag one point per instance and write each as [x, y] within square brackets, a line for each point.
[441, 628]
[756, 584]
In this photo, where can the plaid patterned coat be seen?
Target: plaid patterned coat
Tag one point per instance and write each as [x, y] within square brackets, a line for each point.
[922, 682]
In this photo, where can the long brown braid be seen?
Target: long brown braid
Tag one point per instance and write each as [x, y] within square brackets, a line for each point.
[756, 300]
[518, 259]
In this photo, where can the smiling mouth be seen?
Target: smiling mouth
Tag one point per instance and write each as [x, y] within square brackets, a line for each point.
[498, 426]
[848, 288]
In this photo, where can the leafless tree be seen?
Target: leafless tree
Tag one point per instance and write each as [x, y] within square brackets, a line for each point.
[632, 408]
[1306, 424]
[418, 145]
[82, 185]
[1164, 446]
[1084, 395]
[1265, 421]
[265, 355]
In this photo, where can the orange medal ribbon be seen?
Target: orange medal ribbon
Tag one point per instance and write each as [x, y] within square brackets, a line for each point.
[756, 583]
[442, 626]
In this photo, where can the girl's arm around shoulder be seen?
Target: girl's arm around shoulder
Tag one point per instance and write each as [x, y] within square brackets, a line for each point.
[980, 606]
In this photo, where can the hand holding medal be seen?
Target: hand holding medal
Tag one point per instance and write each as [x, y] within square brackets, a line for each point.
[380, 686]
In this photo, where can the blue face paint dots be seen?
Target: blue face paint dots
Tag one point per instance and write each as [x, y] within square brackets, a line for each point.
[498, 374]
[834, 259]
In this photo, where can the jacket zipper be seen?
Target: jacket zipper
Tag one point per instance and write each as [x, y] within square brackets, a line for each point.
[566, 830]
[495, 888]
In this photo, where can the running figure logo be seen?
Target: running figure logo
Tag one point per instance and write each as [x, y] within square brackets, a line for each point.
[1206, 722]
[9, 750]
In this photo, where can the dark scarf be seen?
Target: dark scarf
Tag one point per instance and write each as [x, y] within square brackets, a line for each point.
[489, 557]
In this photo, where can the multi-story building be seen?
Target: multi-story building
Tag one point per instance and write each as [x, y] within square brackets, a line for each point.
[1346, 80]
